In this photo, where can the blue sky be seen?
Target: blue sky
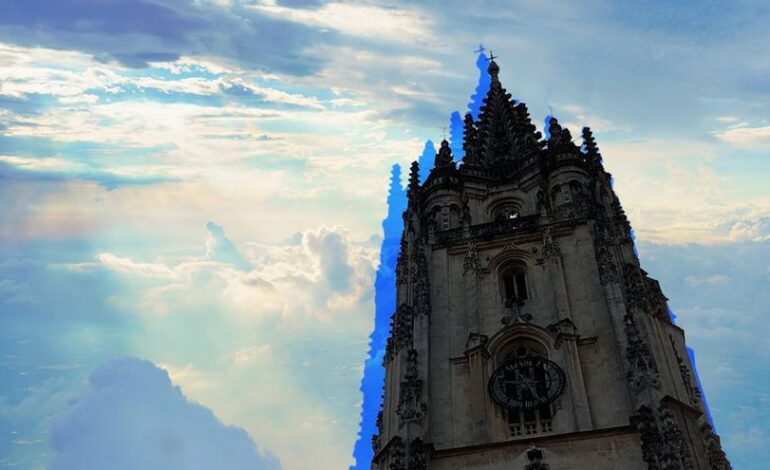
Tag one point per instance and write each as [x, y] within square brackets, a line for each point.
[200, 183]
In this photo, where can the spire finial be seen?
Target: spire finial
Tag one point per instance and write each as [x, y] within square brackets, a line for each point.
[444, 155]
[480, 50]
[414, 177]
[493, 69]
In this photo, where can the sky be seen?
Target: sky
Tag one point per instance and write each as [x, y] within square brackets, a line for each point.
[192, 191]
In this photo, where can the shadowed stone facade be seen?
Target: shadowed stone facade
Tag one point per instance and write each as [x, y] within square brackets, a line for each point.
[526, 335]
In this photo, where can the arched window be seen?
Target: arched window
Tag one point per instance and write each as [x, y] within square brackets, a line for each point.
[514, 285]
[506, 212]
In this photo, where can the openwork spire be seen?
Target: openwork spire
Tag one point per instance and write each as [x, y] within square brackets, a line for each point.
[504, 132]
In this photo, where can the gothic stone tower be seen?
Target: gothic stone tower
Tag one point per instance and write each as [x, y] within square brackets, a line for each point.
[526, 335]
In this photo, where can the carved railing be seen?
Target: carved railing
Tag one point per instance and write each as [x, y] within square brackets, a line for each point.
[489, 229]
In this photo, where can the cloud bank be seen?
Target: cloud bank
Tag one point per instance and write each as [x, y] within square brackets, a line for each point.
[132, 417]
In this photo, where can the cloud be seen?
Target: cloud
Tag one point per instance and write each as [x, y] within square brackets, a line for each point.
[56, 170]
[291, 329]
[368, 21]
[709, 280]
[744, 136]
[222, 249]
[136, 33]
[754, 229]
[132, 416]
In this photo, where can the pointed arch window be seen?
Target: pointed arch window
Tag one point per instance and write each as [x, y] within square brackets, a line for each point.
[514, 285]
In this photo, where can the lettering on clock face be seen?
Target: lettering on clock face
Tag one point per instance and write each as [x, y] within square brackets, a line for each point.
[526, 383]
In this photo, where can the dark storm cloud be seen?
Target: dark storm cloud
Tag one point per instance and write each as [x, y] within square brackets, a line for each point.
[136, 32]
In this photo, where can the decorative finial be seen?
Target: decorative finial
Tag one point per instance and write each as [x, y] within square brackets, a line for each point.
[493, 68]
[480, 50]
[444, 156]
[414, 177]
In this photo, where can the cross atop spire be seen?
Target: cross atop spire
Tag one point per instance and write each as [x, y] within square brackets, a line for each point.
[480, 50]
[493, 68]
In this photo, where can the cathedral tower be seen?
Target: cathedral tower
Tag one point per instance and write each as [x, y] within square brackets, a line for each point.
[525, 334]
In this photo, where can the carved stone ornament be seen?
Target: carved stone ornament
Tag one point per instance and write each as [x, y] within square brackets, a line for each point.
[401, 330]
[397, 455]
[692, 391]
[410, 406]
[550, 246]
[535, 458]
[402, 264]
[376, 440]
[663, 444]
[471, 262]
[421, 282]
[642, 371]
[717, 458]
[649, 435]
[605, 260]
[676, 453]
[418, 455]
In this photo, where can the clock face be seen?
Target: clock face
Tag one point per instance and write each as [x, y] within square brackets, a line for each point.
[526, 383]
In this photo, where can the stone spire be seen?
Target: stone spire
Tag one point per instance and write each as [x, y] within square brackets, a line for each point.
[593, 156]
[504, 131]
[414, 180]
[559, 138]
[470, 142]
[496, 122]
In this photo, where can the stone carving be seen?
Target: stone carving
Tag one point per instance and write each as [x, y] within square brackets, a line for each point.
[402, 264]
[471, 262]
[444, 156]
[621, 221]
[692, 391]
[491, 229]
[642, 371]
[421, 283]
[663, 444]
[550, 246]
[649, 435]
[635, 293]
[401, 330]
[716, 456]
[376, 441]
[466, 214]
[535, 458]
[418, 455]
[643, 294]
[397, 455]
[410, 393]
[676, 453]
[605, 260]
